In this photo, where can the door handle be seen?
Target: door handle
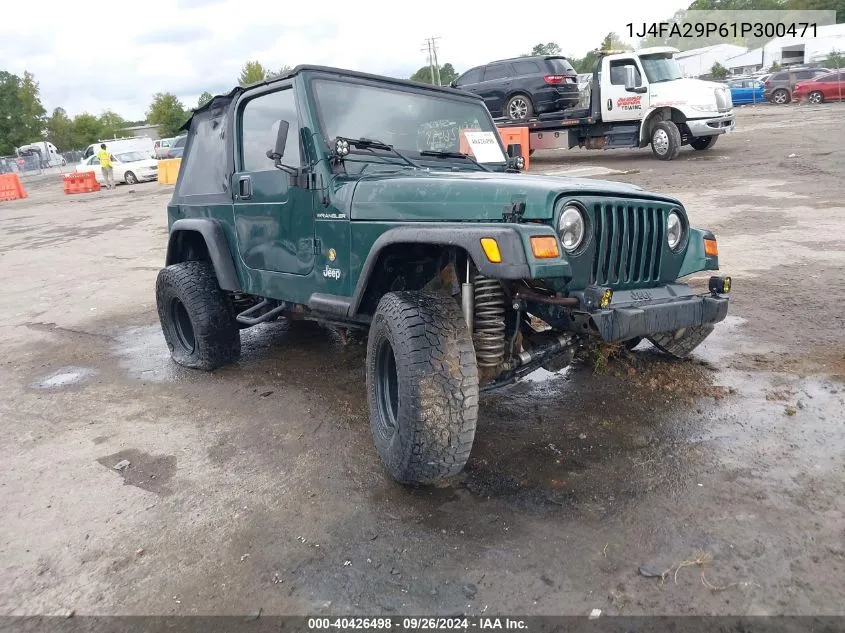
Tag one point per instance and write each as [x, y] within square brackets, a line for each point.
[610, 104]
[245, 187]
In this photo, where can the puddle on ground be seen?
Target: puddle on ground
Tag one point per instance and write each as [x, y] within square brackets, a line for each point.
[148, 472]
[144, 354]
[64, 377]
[722, 342]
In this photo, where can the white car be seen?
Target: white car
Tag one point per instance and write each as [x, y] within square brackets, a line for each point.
[129, 167]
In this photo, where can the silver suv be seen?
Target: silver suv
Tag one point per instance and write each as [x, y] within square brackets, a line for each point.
[778, 86]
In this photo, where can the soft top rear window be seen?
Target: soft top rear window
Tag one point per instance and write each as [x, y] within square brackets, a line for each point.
[560, 66]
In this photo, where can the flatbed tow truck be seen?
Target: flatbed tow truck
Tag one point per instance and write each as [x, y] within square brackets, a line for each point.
[636, 99]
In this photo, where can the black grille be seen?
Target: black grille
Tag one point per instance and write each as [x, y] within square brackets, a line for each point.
[628, 244]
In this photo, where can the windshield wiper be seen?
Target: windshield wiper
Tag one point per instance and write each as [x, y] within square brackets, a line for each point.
[371, 144]
[455, 155]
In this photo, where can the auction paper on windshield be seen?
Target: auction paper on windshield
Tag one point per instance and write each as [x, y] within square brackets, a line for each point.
[485, 147]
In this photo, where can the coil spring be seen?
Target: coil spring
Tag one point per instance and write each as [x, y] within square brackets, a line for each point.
[489, 322]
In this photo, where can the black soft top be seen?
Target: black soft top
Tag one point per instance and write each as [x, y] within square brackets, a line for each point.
[224, 100]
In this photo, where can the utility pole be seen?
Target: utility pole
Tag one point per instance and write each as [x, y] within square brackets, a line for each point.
[433, 66]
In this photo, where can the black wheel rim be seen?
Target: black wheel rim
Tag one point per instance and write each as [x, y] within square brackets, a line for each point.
[387, 389]
[183, 326]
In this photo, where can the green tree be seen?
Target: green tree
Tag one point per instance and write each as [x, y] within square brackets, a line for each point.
[87, 129]
[774, 67]
[836, 5]
[835, 60]
[550, 48]
[205, 97]
[60, 130]
[448, 74]
[251, 73]
[284, 70]
[718, 71]
[33, 111]
[167, 112]
[12, 134]
[111, 124]
[613, 42]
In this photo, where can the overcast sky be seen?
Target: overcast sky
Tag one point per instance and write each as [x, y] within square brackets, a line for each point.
[87, 58]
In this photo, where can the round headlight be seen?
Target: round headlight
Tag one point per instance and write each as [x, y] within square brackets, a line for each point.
[674, 230]
[571, 228]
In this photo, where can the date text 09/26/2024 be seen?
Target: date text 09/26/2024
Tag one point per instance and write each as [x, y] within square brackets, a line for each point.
[420, 623]
[722, 29]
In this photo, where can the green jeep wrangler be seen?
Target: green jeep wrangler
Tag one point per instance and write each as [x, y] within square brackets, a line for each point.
[368, 202]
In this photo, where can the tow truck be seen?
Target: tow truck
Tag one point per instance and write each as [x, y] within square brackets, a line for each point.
[636, 99]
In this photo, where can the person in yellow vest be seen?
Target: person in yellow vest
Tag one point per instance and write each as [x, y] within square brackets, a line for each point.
[106, 166]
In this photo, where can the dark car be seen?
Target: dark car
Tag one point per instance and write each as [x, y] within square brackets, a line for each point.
[177, 148]
[779, 86]
[522, 87]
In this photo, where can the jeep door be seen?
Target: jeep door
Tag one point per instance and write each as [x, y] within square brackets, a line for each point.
[274, 218]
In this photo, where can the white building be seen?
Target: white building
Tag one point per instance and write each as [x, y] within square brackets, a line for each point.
[699, 61]
[791, 51]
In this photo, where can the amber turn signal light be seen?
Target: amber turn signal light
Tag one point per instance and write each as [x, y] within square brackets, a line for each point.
[710, 248]
[544, 246]
[491, 249]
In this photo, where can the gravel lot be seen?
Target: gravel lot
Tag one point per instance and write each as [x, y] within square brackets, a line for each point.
[257, 486]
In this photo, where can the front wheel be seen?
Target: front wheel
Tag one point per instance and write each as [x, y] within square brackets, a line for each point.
[519, 108]
[815, 97]
[702, 143]
[197, 318]
[130, 178]
[780, 97]
[665, 140]
[422, 386]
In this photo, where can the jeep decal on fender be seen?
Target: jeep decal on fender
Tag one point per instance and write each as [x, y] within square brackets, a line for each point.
[331, 273]
[629, 103]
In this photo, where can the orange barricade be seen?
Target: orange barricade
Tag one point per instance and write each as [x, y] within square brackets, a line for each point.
[516, 135]
[11, 187]
[81, 182]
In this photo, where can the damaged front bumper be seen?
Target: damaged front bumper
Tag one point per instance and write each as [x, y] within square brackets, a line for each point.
[639, 313]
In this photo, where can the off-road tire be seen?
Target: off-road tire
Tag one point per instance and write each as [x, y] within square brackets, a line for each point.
[529, 107]
[196, 316]
[423, 406]
[680, 346]
[665, 140]
[702, 143]
[781, 97]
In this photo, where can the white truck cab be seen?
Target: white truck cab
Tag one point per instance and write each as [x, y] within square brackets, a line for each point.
[635, 99]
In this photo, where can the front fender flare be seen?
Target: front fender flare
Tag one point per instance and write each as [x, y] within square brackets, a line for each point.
[215, 241]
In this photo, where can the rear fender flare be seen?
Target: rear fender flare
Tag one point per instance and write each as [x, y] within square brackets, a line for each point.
[215, 241]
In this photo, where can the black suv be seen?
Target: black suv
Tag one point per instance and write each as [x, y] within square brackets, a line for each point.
[521, 87]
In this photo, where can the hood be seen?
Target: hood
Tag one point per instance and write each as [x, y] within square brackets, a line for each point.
[469, 196]
[684, 91]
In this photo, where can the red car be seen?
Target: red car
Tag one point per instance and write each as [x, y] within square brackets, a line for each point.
[829, 87]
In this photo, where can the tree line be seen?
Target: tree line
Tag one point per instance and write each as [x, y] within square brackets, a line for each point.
[24, 120]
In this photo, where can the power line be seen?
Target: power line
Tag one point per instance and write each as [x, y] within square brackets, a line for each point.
[430, 47]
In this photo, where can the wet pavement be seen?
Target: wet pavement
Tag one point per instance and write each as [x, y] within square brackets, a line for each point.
[257, 486]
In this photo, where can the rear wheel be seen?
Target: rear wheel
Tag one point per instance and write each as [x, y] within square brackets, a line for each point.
[781, 97]
[702, 143]
[422, 386]
[815, 97]
[665, 140]
[519, 108]
[196, 316]
[681, 343]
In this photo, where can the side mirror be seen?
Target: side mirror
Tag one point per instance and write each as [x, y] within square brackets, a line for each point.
[278, 150]
[630, 79]
[515, 158]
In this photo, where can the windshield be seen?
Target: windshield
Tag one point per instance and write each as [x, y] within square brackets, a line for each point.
[130, 157]
[661, 67]
[412, 122]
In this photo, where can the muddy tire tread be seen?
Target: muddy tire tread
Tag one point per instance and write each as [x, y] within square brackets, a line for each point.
[438, 385]
[216, 332]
